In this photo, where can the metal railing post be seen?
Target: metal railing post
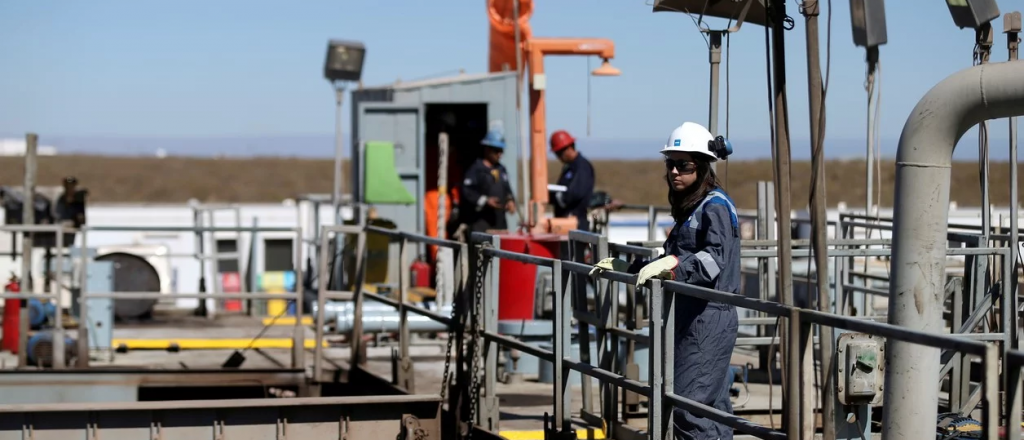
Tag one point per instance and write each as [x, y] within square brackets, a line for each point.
[652, 223]
[990, 408]
[488, 414]
[58, 340]
[405, 369]
[83, 302]
[321, 303]
[578, 290]
[562, 341]
[793, 375]
[960, 384]
[660, 365]
[1013, 391]
[608, 341]
[299, 331]
[358, 345]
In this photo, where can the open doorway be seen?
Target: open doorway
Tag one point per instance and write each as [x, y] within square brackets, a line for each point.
[466, 125]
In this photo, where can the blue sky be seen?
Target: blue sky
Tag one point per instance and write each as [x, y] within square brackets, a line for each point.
[138, 73]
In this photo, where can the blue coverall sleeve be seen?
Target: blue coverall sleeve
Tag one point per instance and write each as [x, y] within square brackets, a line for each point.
[702, 268]
[470, 191]
[578, 187]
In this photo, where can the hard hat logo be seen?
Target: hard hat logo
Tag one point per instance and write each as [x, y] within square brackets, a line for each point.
[677, 142]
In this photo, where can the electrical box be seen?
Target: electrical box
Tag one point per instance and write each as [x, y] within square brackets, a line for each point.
[868, 22]
[972, 13]
[100, 310]
[860, 366]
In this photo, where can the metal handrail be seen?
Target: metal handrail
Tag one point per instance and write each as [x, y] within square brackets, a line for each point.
[799, 319]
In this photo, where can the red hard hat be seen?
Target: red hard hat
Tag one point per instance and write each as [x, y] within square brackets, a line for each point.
[561, 139]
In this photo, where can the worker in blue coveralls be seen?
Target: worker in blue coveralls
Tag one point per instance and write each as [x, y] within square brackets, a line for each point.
[486, 195]
[576, 181]
[703, 249]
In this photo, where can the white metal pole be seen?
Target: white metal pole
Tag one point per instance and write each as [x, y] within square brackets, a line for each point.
[339, 91]
[524, 168]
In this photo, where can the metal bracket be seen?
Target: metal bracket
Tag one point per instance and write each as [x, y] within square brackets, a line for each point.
[411, 429]
[488, 414]
[550, 433]
[282, 428]
[406, 375]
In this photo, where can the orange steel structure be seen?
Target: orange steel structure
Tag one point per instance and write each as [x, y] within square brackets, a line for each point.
[537, 48]
[502, 57]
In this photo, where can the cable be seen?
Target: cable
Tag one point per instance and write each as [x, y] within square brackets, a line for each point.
[878, 155]
[878, 138]
[771, 130]
[588, 96]
[695, 21]
[728, 52]
[814, 171]
[771, 107]
[771, 384]
[271, 323]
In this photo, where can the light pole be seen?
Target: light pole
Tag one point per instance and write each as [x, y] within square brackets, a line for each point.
[344, 62]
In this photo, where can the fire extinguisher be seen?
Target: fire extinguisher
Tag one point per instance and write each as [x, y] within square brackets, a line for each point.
[420, 272]
[12, 311]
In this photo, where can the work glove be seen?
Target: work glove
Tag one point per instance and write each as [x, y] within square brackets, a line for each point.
[612, 264]
[662, 268]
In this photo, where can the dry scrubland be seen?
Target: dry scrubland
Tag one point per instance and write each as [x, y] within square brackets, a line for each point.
[125, 179]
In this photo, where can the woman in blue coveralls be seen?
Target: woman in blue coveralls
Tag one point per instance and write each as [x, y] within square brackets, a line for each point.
[703, 249]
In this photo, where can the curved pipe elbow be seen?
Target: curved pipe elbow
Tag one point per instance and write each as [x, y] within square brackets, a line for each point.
[953, 106]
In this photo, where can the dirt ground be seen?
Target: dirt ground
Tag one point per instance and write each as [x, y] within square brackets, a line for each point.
[177, 179]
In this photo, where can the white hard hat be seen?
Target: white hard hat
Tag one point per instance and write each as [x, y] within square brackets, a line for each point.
[691, 137]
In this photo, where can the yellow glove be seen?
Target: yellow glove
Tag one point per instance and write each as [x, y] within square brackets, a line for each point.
[612, 264]
[660, 268]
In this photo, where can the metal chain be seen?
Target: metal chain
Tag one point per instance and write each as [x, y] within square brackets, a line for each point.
[452, 329]
[475, 333]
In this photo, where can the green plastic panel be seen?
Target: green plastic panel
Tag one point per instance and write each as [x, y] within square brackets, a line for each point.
[381, 182]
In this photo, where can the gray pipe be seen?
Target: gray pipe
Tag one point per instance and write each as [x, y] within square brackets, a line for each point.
[379, 318]
[920, 221]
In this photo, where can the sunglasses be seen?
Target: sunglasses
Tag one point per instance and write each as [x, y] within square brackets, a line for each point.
[683, 166]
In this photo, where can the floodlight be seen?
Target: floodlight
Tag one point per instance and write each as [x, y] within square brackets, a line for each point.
[344, 60]
[868, 22]
[972, 13]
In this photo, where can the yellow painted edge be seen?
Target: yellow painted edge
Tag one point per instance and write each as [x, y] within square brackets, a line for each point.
[208, 344]
[539, 435]
[287, 320]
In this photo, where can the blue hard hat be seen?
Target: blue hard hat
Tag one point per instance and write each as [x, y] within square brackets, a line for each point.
[495, 138]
